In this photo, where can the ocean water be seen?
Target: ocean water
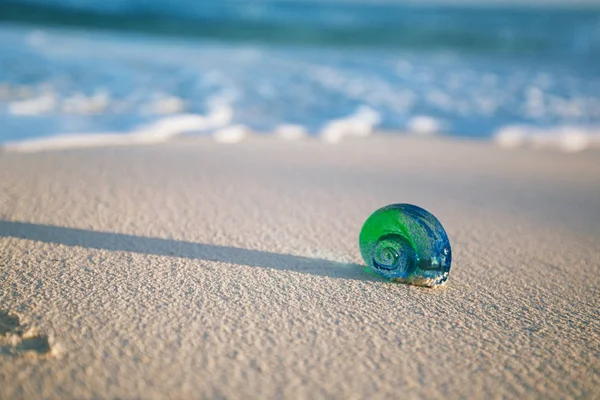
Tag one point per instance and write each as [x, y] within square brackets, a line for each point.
[328, 68]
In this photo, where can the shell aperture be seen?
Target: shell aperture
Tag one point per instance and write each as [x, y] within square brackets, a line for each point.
[406, 243]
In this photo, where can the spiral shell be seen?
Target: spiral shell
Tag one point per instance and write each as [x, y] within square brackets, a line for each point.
[405, 243]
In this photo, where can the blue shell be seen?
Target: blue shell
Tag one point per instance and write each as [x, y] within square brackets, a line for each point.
[406, 243]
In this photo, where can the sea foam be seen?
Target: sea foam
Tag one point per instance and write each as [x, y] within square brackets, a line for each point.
[568, 138]
[157, 132]
[358, 124]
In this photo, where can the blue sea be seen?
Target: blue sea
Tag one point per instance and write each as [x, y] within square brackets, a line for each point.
[82, 68]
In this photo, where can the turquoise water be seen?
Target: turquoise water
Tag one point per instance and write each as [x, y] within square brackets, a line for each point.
[79, 66]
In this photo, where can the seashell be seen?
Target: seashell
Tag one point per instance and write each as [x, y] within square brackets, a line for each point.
[405, 243]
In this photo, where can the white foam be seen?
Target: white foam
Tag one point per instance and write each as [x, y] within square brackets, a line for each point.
[568, 138]
[359, 124]
[511, 136]
[219, 115]
[425, 125]
[74, 141]
[290, 132]
[231, 134]
[175, 125]
[35, 106]
[157, 132]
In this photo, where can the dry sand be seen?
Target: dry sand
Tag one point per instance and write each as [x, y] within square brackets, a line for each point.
[199, 270]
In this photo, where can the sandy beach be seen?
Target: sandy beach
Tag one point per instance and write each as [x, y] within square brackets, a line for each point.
[193, 269]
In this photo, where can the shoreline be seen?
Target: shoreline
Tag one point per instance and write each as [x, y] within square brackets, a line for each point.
[175, 129]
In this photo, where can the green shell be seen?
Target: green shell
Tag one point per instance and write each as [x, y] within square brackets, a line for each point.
[406, 243]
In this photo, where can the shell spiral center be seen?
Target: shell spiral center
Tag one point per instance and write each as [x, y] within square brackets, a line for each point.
[394, 252]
